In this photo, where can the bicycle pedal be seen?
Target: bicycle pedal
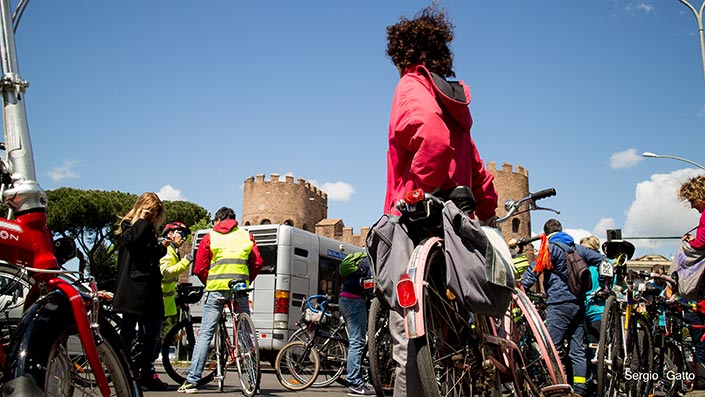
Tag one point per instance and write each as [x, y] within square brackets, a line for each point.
[557, 390]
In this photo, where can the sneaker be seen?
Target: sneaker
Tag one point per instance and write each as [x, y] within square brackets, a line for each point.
[153, 383]
[364, 390]
[188, 388]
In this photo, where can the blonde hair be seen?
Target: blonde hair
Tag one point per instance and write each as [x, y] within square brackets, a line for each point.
[591, 242]
[693, 189]
[146, 201]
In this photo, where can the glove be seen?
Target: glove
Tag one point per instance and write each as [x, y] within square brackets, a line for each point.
[492, 222]
[188, 257]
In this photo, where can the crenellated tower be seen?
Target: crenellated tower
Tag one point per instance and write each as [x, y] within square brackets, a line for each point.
[511, 183]
[299, 204]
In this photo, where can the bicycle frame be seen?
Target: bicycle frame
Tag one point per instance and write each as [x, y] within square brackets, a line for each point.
[26, 240]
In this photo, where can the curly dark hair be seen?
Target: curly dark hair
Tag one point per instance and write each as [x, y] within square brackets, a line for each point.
[422, 41]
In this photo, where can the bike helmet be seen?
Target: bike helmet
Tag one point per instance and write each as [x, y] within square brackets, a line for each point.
[175, 226]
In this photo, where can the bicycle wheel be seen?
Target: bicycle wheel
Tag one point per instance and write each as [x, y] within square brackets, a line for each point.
[247, 355]
[542, 364]
[379, 342]
[222, 353]
[332, 354]
[447, 359]
[640, 359]
[297, 365]
[610, 351]
[177, 351]
[668, 361]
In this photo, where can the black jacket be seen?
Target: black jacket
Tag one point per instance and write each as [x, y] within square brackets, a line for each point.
[139, 289]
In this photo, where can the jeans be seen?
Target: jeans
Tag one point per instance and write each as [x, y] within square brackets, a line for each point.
[354, 312]
[212, 310]
[565, 320]
[149, 336]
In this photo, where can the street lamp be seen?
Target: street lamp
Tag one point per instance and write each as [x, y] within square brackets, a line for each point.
[663, 156]
[699, 19]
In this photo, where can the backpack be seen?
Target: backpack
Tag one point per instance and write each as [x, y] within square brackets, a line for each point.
[351, 263]
[579, 279]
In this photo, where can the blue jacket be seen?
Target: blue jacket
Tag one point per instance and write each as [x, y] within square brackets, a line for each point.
[557, 290]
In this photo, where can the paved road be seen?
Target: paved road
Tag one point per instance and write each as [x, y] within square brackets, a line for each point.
[269, 386]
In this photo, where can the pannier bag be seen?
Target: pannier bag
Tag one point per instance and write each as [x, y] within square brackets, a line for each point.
[689, 264]
[389, 249]
[479, 263]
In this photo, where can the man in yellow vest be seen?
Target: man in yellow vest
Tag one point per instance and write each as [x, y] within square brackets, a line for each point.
[171, 265]
[225, 253]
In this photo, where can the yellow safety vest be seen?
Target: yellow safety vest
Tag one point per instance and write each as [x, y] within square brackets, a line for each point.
[171, 266]
[230, 254]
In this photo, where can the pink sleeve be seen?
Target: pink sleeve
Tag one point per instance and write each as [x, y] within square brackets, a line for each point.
[699, 242]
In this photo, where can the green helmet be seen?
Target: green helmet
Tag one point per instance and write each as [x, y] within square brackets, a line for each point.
[351, 263]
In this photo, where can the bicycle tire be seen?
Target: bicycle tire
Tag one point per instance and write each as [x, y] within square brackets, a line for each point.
[542, 364]
[674, 363]
[610, 350]
[177, 351]
[61, 367]
[248, 365]
[379, 339]
[444, 363]
[222, 353]
[332, 361]
[297, 365]
[640, 350]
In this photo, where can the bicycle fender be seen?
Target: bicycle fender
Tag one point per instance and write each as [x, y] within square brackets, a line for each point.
[413, 316]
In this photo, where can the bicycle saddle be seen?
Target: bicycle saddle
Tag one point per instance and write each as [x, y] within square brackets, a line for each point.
[462, 197]
[613, 248]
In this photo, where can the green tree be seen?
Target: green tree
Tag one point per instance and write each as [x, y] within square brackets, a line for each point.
[90, 217]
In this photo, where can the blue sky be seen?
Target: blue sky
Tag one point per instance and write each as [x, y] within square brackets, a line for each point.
[190, 98]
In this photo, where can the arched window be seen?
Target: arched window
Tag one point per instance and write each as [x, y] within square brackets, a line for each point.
[247, 223]
[265, 222]
[305, 227]
[289, 222]
[515, 225]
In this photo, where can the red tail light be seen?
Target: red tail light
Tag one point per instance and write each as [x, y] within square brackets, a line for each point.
[406, 295]
[368, 283]
[414, 196]
[281, 302]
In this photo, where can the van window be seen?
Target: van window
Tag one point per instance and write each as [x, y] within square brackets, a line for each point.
[269, 256]
[328, 280]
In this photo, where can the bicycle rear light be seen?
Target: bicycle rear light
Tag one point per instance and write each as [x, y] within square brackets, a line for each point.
[281, 302]
[406, 295]
[414, 196]
[367, 283]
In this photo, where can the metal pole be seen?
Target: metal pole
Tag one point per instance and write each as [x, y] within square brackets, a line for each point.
[25, 193]
[664, 156]
[699, 19]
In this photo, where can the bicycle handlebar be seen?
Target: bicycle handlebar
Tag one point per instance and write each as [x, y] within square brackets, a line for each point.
[543, 194]
[512, 206]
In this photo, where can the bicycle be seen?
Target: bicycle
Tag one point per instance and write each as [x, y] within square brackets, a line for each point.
[379, 344]
[461, 352]
[63, 344]
[314, 347]
[180, 339]
[625, 351]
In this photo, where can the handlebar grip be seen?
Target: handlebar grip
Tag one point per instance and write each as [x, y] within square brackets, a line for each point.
[543, 194]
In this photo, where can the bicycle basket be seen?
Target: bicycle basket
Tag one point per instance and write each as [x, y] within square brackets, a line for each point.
[310, 316]
[188, 294]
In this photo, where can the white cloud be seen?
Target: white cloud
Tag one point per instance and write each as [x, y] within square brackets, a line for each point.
[657, 212]
[338, 191]
[644, 7]
[578, 234]
[169, 193]
[65, 171]
[625, 159]
[602, 226]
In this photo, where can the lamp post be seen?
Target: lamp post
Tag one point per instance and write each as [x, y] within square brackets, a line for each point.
[664, 156]
[699, 19]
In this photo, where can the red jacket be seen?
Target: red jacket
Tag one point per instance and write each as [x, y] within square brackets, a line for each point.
[204, 254]
[430, 147]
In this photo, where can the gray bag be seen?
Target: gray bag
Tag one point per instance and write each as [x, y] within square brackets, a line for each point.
[389, 249]
[689, 263]
[480, 266]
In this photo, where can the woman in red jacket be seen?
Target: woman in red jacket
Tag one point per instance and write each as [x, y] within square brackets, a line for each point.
[430, 146]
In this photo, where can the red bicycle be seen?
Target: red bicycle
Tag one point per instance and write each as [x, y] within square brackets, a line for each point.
[62, 345]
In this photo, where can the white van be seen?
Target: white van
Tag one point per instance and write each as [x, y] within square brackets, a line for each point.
[297, 264]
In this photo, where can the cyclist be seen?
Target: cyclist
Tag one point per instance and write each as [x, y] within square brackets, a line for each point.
[171, 265]
[430, 146]
[565, 312]
[226, 253]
